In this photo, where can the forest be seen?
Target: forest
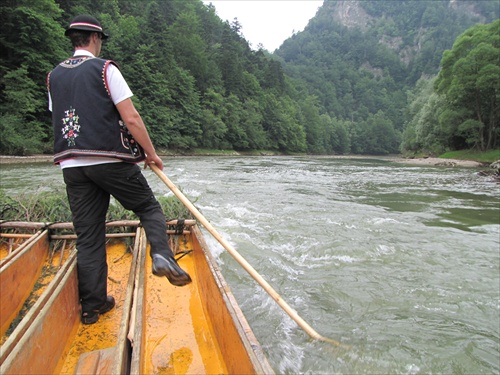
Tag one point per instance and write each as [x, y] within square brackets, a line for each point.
[412, 76]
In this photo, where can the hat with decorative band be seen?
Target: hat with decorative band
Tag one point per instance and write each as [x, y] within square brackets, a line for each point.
[86, 23]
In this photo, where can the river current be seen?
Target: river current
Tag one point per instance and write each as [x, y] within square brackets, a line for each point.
[400, 263]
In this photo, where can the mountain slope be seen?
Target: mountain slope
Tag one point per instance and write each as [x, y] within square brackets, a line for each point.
[361, 57]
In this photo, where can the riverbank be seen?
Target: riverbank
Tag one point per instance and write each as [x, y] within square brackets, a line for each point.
[8, 159]
[438, 162]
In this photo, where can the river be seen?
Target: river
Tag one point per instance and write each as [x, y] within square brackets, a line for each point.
[399, 263]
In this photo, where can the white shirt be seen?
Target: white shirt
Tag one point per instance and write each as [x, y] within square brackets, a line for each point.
[119, 91]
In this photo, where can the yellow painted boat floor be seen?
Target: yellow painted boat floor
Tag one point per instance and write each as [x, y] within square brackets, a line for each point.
[179, 337]
[104, 333]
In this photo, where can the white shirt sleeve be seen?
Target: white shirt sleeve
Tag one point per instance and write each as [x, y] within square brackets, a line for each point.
[118, 87]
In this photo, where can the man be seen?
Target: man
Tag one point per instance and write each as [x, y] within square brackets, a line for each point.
[98, 138]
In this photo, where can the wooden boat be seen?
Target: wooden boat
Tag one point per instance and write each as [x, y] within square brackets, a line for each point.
[154, 328]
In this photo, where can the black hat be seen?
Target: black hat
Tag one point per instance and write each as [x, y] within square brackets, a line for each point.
[86, 23]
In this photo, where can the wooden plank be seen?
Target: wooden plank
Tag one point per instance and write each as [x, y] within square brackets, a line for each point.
[123, 350]
[74, 236]
[106, 359]
[108, 235]
[137, 319]
[69, 225]
[45, 340]
[16, 235]
[12, 254]
[107, 332]
[239, 346]
[97, 362]
[178, 338]
[17, 278]
[88, 363]
[33, 313]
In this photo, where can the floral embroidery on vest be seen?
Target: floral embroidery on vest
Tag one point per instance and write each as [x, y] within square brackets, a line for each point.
[70, 127]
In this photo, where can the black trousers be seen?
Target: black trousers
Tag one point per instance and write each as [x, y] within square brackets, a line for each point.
[89, 190]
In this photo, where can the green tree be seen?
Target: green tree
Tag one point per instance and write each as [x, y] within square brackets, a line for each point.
[236, 137]
[20, 131]
[310, 118]
[251, 120]
[375, 136]
[212, 124]
[190, 50]
[27, 26]
[470, 81]
[280, 122]
[423, 130]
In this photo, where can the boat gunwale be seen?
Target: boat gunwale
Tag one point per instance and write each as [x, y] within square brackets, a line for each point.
[248, 339]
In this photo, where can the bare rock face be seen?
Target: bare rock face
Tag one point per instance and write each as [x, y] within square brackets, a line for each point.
[350, 14]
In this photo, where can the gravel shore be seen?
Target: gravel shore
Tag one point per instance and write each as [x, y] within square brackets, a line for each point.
[441, 162]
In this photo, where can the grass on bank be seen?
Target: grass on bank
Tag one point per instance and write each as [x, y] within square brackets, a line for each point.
[53, 207]
[479, 156]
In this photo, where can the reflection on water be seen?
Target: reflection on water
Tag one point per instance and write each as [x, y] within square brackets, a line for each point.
[399, 262]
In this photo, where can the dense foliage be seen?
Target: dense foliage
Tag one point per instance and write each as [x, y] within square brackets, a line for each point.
[196, 81]
[362, 61]
[198, 84]
[459, 109]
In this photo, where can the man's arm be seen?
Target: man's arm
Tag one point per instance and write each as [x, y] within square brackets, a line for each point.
[136, 127]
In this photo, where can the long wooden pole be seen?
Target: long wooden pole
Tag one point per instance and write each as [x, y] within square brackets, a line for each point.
[256, 276]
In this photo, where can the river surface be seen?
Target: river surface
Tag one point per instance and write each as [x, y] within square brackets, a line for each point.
[399, 263]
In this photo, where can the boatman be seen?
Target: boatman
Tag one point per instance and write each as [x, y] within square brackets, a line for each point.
[99, 137]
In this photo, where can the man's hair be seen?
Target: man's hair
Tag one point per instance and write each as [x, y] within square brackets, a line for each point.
[79, 38]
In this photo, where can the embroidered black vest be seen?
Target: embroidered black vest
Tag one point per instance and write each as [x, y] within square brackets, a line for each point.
[84, 118]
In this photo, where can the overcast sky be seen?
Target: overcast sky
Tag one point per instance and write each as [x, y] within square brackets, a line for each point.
[268, 22]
